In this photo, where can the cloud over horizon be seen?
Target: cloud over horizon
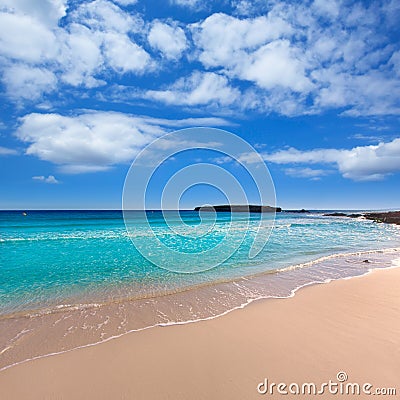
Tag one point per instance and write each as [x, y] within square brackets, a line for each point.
[94, 141]
[361, 163]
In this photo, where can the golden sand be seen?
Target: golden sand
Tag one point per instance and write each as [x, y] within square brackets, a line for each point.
[351, 326]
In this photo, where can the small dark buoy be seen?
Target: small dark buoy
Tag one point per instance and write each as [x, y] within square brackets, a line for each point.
[366, 261]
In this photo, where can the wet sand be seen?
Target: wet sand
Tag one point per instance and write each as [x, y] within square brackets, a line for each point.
[348, 325]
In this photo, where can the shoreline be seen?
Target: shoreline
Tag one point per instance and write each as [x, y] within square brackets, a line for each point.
[357, 291]
[292, 293]
[59, 308]
[105, 321]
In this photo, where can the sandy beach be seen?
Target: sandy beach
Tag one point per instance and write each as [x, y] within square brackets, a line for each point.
[349, 326]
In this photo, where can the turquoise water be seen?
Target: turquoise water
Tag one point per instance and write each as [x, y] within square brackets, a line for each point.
[51, 258]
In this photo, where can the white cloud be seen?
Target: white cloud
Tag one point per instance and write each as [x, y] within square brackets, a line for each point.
[82, 56]
[24, 38]
[200, 88]
[48, 12]
[50, 179]
[252, 49]
[88, 141]
[96, 40]
[318, 56]
[286, 57]
[276, 64]
[125, 56]
[371, 94]
[4, 151]
[362, 163]
[104, 16]
[92, 141]
[24, 82]
[102, 41]
[226, 41]
[169, 40]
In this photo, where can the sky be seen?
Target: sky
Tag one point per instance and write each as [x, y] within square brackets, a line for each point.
[314, 86]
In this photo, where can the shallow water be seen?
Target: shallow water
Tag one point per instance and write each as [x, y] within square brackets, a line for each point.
[66, 257]
[71, 279]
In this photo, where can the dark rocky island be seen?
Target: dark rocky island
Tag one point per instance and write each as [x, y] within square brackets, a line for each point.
[239, 208]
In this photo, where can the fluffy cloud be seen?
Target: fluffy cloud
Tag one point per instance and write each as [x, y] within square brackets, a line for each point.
[100, 38]
[50, 179]
[104, 16]
[48, 12]
[123, 55]
[319, 56]
[252, 49]
[96, 39]
[28, 83]
[362, 163]
[285, 57]
[92, 141]
[276, 64]
[198, 89]
[169, 40]
[225, 41]
[82, 57]
[371, 94]
[25, 39]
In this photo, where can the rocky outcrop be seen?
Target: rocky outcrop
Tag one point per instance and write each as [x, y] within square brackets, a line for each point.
[336, 214]
[390, 217]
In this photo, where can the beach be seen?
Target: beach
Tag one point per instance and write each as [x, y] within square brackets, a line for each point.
[349, 325]
[200, 200]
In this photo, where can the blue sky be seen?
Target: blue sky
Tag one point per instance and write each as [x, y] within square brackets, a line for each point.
[313, 85]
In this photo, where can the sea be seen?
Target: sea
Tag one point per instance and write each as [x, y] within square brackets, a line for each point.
[76, 278]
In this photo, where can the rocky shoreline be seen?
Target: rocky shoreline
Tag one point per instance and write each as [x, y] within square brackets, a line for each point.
[389, 217]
